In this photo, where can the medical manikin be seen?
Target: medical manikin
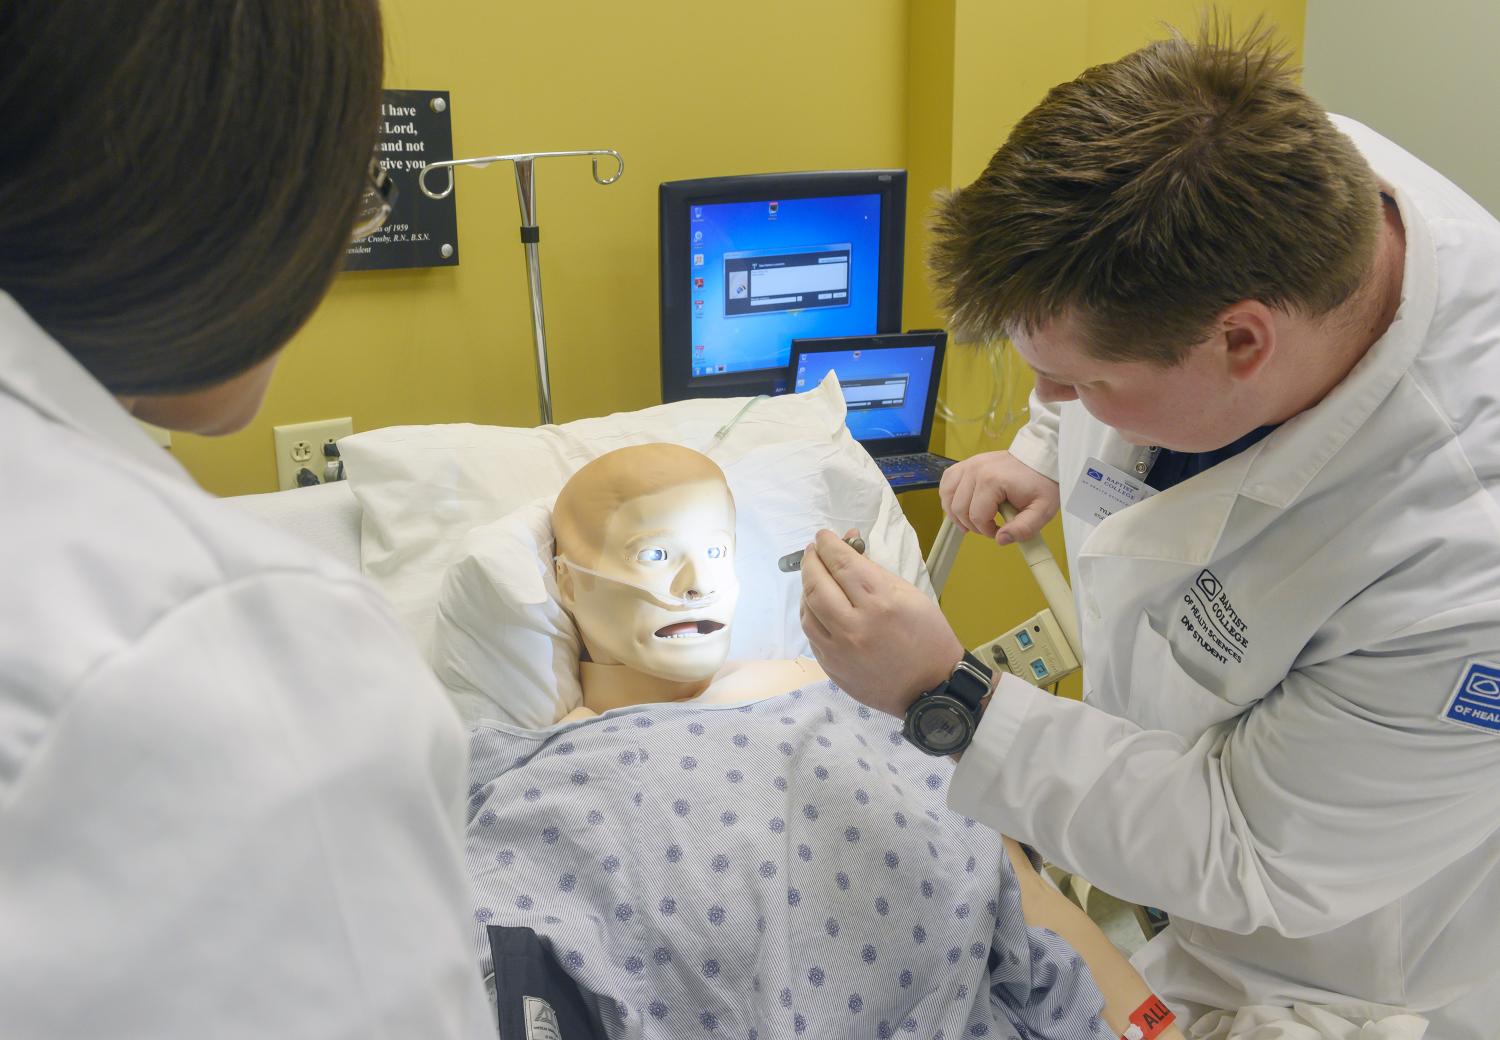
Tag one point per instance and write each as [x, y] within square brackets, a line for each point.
[645, 567]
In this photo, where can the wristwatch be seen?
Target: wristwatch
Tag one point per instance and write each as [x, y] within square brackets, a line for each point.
[942, 721]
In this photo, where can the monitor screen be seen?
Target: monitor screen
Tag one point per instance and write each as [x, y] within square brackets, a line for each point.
[749, 264]
[885, 388]
[766, 273]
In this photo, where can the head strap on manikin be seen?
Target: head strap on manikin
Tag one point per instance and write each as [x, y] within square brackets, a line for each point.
[694, 600]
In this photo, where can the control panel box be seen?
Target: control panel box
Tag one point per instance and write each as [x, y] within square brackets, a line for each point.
[1034, 650]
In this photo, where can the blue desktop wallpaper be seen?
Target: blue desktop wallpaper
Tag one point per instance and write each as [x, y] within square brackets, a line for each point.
[724, 343]
[874, 423]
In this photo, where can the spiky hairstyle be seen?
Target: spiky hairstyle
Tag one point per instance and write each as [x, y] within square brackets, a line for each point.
[1149, 194]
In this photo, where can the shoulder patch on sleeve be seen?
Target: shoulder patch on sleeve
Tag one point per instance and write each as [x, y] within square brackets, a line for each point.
[1476, 699]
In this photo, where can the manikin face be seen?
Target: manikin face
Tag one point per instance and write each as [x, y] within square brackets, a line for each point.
[673, 547]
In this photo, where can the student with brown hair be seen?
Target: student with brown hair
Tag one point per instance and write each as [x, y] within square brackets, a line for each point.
[230, 791]
[1267, 345]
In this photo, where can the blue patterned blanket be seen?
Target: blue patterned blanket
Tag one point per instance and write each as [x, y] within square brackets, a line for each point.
[777, 869]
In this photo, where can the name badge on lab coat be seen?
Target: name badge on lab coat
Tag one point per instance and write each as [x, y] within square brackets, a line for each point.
[1103, 490]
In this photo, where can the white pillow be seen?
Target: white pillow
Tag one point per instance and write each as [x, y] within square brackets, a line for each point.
[503, 645]
[791, 463]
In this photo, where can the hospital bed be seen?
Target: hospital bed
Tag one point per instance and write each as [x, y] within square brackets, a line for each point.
[426, 487]
[416, 495]
[416, 492]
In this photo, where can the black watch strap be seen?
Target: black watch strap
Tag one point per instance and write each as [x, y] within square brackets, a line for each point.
[970, 681]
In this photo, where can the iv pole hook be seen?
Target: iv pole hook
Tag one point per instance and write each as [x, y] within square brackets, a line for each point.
[530, 236]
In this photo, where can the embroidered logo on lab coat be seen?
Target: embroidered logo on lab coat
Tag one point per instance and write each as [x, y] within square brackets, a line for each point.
[1476, 699]
[1212, 621]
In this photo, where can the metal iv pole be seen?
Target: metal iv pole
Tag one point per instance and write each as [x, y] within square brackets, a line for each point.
[531, 236]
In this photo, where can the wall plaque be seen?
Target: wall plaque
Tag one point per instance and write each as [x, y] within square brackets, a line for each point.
[416, 126]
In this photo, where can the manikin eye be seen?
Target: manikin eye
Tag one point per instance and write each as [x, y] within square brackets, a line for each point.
[717, 552]
[654, 554]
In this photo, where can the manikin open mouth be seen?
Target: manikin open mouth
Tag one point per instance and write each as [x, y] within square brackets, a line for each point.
[689, 629]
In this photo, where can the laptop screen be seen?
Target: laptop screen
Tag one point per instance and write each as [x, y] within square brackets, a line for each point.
[885, 388]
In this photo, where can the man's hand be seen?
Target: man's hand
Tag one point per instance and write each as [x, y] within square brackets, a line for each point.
[880, 638]
[972, 490]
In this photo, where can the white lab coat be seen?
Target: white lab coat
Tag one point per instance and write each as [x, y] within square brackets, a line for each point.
[1281, 775]
[230, 792]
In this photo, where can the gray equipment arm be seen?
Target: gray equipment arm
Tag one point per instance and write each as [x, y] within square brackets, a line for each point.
[1038, 557]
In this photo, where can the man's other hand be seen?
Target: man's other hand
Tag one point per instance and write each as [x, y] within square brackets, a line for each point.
[972, 490]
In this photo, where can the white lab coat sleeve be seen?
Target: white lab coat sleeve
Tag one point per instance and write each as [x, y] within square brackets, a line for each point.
[1035, 444]
[1334, 796]
[245, 823]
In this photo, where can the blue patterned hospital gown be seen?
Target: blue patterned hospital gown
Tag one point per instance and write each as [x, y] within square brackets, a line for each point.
[779, 869]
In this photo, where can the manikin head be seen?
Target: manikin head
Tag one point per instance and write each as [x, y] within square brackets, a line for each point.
[645, 560]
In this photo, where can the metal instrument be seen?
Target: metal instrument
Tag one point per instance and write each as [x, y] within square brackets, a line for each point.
[793, 561]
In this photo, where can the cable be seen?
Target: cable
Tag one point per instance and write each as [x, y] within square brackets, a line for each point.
[994, 420]
[333, 469]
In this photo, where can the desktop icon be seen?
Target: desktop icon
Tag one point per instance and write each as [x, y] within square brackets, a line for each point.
[698, 308]
[697, 283]
[697, 212]
[773, 207]
[697, 237]
[698, 349]
[697, 259]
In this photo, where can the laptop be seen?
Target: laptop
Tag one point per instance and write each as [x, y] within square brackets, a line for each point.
[890, 387]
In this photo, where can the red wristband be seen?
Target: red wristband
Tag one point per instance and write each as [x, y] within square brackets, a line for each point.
[1148, 1020]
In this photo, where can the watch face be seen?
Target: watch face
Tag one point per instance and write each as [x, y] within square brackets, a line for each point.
[941, 726]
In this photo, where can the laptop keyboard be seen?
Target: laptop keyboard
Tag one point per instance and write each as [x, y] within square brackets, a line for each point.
[920, 468]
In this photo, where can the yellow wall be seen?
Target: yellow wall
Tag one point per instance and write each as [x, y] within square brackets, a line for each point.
[682, 88]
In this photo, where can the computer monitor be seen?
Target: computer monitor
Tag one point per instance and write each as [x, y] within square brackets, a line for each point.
[889, 383]
[750, 263]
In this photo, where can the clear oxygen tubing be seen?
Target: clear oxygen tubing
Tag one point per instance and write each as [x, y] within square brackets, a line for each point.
[723, 431]
[996, 416]
[667, 602]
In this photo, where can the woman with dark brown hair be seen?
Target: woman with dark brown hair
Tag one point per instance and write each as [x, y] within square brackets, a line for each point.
[211, 822]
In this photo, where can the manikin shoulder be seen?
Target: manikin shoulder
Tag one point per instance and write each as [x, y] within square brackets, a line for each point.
[741, 681]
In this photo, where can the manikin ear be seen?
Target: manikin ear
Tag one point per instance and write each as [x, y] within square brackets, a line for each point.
[564, 575]
[1249, 337]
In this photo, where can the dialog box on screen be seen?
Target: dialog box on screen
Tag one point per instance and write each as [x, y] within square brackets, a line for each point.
[764, 283]
[879, 392]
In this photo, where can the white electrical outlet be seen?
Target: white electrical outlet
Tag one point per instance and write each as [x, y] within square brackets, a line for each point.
[300, 445]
